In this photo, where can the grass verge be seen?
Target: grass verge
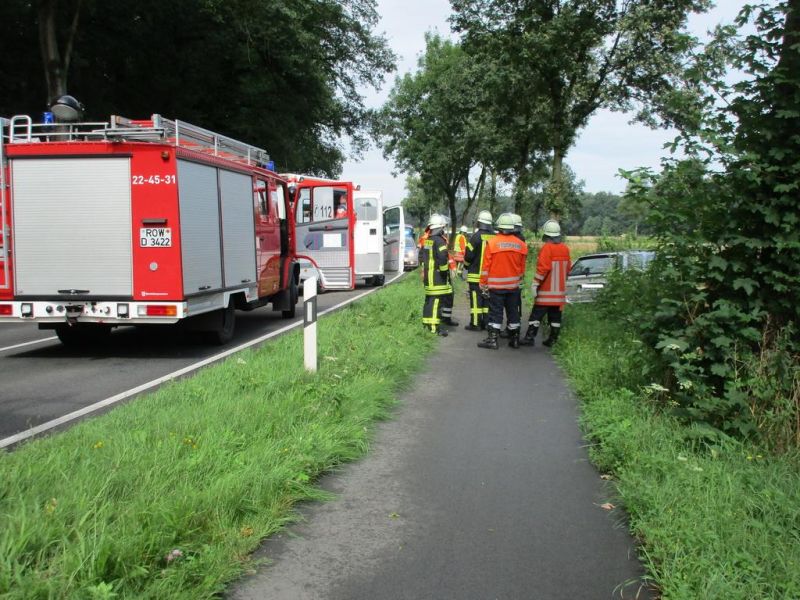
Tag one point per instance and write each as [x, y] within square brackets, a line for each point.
[166, 496]
[716, 519]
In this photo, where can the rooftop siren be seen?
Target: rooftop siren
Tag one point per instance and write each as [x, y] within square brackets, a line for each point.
[67, 109]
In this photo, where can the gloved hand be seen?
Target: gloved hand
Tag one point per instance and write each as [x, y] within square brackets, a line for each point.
[484, 290]
[534, 289]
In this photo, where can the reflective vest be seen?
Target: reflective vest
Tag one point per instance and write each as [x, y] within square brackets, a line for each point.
[504, 262]
[473, 257]
[434, 260]
[552, 267]
[460, 247]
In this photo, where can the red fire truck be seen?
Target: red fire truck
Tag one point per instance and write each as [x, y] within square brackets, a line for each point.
[139, 223]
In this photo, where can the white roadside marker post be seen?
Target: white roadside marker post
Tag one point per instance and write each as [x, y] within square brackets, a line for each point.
[310, 324]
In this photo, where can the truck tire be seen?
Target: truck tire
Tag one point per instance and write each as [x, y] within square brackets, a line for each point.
[294, 293]
[82, 334]
[378, 280]
[224, 324]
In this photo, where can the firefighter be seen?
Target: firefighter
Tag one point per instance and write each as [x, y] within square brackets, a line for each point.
[549, 285]
[473, 258]
[518, 226]
[501, 276]
[435, 272]
[517, 220]
[459, 249]
[449, 300]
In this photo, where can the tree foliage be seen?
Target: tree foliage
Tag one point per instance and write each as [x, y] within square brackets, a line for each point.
[555, 62]
[285, 75]
[726, 320]
[431, 125]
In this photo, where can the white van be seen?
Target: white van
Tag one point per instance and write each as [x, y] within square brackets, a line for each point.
[368, 236]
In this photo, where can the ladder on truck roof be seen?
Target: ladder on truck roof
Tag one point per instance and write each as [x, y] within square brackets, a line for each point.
[186, 135]
[5, 268]
[21, 129]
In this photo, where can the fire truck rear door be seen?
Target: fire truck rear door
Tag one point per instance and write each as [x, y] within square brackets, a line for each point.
[72, 226]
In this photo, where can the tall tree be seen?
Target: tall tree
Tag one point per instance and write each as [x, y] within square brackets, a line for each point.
[725, 321]
[431, 125]
[286, 75]
[561, 60]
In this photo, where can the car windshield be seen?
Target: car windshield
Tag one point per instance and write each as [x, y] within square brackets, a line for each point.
[594, 265]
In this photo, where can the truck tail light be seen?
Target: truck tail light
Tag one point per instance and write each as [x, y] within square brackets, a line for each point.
[6, 310]
[160, 310]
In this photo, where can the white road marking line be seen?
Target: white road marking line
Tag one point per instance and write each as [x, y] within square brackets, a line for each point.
[47, 339]
[23, 435]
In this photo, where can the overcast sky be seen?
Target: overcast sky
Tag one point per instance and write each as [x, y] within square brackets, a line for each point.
[607, 144]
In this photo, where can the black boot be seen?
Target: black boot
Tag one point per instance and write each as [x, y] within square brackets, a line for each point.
[530, 336]
[491, 341]
[554, 333]
[450, 321]
[471, 327]
[438, 330]
[504, 333]
[513, 338]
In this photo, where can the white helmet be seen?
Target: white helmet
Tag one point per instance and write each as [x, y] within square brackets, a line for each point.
[437, 221]
[463, 229]
[505, 222]
[485, 217]
[551, 229]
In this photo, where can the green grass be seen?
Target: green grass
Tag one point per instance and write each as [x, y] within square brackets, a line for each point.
[716, 519]
[166, 496]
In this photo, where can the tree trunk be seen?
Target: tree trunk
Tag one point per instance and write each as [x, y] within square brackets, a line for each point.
[557, 181]
[471, 198]
[493, 193]
[452, 195]
[54, 59]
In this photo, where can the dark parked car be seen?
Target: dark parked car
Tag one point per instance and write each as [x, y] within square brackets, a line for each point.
[589, 274]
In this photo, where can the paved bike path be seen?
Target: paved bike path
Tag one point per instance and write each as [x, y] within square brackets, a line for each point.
[479, 488]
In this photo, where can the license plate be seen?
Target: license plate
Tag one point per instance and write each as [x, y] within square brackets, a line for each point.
[155, 237]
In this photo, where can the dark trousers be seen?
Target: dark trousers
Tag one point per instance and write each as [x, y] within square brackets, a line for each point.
[478, 306]
[432, 311]
[500, 300]
[447, 306]
[540, 310]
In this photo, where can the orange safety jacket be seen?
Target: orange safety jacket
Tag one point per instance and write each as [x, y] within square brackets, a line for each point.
[460, 247]
[552, 267]
[504, 262]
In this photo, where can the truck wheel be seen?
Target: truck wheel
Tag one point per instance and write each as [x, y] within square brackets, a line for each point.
[378, 280]
[294, 293]
[225, 322]
[82, 335]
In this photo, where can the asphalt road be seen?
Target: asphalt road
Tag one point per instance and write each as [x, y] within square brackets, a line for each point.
[479, 488]
[45, 380]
